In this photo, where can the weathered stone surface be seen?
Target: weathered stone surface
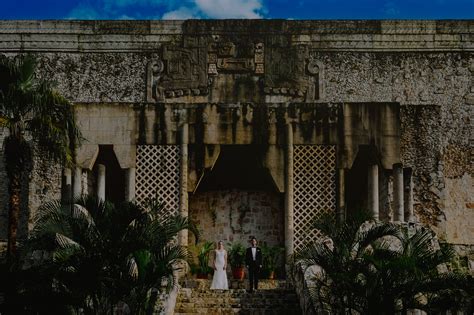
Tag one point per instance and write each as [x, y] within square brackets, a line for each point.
[273, 297]
[236, 215]
[215, 73]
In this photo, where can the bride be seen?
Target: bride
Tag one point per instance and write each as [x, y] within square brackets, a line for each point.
[219, 281]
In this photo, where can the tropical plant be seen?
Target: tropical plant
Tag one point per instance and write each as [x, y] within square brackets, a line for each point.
[236, 254]
[102, 255]
[376, 268]
[202, 252]
[272, 258]
[29, 106]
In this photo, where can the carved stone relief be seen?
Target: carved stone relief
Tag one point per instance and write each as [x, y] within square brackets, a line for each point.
[289, 70]
[285, 73]
[180, 72]
[154, 71]
[315, 70]
[228, 57]
[292, 71]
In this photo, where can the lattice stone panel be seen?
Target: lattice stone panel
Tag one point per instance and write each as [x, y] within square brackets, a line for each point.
[314, 180]
[158, 171]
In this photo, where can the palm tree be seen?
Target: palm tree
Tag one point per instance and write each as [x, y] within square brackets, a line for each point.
[105, 254]
[29, 105]
[340, 257]
[378, 268]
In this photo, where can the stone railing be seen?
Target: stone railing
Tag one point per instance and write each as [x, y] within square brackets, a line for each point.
[302, 282]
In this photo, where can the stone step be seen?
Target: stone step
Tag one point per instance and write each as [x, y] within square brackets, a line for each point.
[281, 301]
[230, 311]
[273, 297]
[256, 301]
[240, 293]
[236, 284]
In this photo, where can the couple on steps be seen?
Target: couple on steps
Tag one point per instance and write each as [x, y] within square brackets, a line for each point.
[253, 261]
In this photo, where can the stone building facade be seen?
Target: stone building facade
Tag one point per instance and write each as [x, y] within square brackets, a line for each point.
[253, 127]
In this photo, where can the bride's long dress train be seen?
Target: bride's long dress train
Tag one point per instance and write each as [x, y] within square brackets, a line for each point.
[219, 281]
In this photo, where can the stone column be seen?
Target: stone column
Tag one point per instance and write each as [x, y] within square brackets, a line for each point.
[183, 206]
[101, 181]
[67, 186]
[289, 191]
[408, 196]
[373, 189]
[398, 212]
[85, 183]
[130, 183]
[77, 184]
[341, 192]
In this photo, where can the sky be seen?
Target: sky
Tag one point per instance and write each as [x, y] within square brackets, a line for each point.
[223, 9]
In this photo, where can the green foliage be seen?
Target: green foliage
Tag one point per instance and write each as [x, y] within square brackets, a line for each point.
[201, 251]
[272, 257]
[379, 268]
[236, 254]
[98, 254]
[30, 106]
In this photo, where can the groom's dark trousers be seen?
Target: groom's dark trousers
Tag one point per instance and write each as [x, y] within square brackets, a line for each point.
[253, 266]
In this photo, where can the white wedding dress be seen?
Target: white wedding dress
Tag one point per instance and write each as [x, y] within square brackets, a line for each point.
[219, 281]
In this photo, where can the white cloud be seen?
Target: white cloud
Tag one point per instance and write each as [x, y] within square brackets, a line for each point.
[174, 9]
[224, 9]
[150, 3]
[390, 9]
[125, 17]
[183, 13]
[84, 12]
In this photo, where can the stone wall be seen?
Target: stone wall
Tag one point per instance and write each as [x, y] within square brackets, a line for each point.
[426, 67]
[236, 215]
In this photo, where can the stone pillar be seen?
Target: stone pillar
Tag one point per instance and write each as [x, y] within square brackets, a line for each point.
[67, 186]
[77, 184]
[341, 195]
[398, 212]
[130, 183]
[183, 206]
[101, 181]
[289, 191]
[85, 182]
[408, 196]
[373, 189]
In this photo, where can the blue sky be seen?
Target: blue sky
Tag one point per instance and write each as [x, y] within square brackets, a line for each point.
[210, 9]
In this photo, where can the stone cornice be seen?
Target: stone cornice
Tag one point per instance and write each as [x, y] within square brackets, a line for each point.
[135, 36]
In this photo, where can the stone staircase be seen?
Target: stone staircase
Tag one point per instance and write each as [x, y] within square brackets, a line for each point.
[273, 297]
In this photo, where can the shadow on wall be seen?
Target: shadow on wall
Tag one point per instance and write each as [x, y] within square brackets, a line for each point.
[237, 199]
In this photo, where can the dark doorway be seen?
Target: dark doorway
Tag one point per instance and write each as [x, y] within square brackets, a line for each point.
[357, 182]
[238, 167]
[114, 174]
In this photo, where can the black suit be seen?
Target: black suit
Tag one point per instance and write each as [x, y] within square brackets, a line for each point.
[253, 266]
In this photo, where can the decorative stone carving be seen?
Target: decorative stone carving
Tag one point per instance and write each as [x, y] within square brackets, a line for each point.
[154, 70]
[315, 69]
[259, 58]
[181, 72]
[229, 57]
[285, 73]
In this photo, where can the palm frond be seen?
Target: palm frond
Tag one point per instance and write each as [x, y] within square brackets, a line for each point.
[371, 234]
[80, 212]
[132, 268]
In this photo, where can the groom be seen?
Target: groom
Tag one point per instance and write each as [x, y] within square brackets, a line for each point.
[253, 261]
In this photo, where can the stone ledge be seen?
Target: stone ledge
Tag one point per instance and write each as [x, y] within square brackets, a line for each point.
[128, 36]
